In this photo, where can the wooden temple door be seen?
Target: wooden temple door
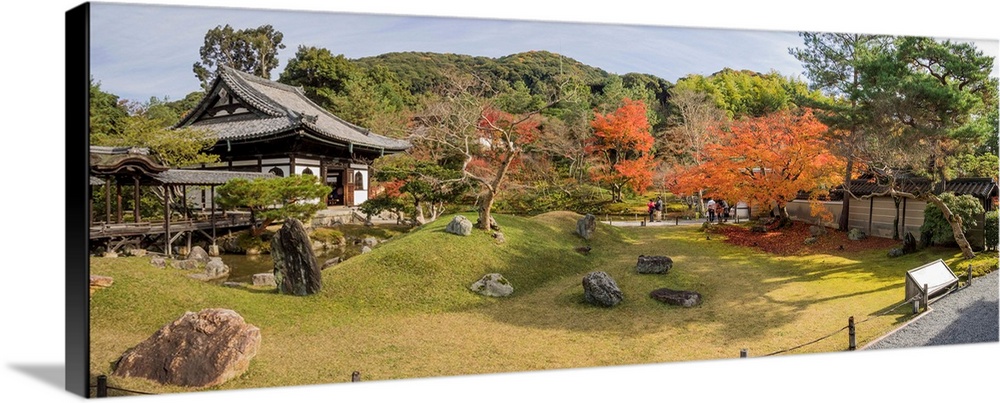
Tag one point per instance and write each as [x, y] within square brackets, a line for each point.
[348, 187]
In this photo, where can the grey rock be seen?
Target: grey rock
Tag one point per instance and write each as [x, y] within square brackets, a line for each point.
[369, 241]
[685, 299]
[187, 264]
[158, 261]
[811, 240]
[264, 279]
[330, 262]
[493, 285]
[200, 349]
[136, 252]
[216, 268]
[199, 254]
[109, 254]
[213, 250]
[654, 264]
[600, 289]
[586, 226]
[296, 270]
[366, 249]
[232, 284]
[459, 226]
[817, 230]
[856, 234]
[896, 252]
[499, 237]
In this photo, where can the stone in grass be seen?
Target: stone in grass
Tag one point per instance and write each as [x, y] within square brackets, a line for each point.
[330, 262]
[99, 282]
[198, 254]
[158, 261]
[654, 264]
[586, 226]
[459, 226]
[600, 289]
[493, 285]
[214, 269]
[685, 299]
[264, 279]
[200, 349]
[811, 240]
[296, 270]
[896, 252]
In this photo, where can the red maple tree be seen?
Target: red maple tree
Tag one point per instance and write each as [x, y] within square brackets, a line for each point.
[623, 143]
[765, 161]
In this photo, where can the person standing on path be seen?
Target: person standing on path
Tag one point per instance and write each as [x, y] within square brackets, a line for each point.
[650, 207]
[710, 206]
[658, 209]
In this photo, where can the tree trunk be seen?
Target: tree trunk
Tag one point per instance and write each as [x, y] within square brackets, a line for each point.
[485, 211]
[842, 224]
[783, 219]
[956, 227]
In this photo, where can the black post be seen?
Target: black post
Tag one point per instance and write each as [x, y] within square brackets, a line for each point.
[743, 353]
[102, 386]
[213, 214]
[677, 220]
[852, 343]
[924, 298]
[356, 376]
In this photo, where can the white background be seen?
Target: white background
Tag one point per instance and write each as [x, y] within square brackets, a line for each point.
[32, 237]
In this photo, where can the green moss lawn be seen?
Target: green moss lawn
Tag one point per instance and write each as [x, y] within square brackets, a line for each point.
[405, 310]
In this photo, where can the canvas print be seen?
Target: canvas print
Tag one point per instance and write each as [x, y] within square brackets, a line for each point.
[283, 198]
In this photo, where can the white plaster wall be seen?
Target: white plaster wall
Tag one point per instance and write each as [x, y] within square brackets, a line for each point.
[361, 195]
[283, 168]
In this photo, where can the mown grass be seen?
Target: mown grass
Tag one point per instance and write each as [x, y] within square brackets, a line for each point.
[405, 311]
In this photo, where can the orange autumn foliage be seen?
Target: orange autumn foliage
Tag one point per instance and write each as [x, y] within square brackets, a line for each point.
[623, 143]
[764, 160]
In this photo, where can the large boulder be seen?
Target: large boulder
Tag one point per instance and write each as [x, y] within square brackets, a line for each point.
[459, 226]
[817, 230]
[586, 226]
[198, 254]
[200, 349]
[296, 270]
[187, 264]
[856, 234]
[493, 285]
[682, 298]
[654, 264]
[600, 289]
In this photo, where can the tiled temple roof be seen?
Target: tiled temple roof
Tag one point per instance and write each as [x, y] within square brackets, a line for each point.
[287, 109]
[203, 177]
[977, 187]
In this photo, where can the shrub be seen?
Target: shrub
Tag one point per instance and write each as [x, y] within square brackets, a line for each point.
[938, 228]
[327, 235]
[992, 230]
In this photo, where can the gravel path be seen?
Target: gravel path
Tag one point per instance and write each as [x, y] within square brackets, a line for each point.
[968, 315]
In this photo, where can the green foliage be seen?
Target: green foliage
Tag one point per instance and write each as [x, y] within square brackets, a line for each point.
[935, 224]
[148, 125]
[253, 50]
[749, 94]
[272, 199]
[991, 229]
[371, 97]
[327, 235]
[107, 113]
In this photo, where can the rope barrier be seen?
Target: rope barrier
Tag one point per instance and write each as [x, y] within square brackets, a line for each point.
[805, 344]
[125, 390]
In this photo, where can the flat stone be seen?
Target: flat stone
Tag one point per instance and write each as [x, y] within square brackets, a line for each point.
[654, 264]
[685, 299]
[264, 279]
[493, 285]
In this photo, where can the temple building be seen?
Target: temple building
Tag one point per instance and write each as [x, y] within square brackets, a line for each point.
[269, 127]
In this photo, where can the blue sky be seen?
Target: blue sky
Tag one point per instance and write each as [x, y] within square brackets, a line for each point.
[140, 50]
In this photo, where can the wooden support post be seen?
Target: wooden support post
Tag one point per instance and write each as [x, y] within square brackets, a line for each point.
[118, 192]
[107, 200]
[213, 214]
[166, 220]
[924, 298]
[102, 386]
[135, 201]
[852, 342]
[743, 353]
[184, 193]
[968, 278]
[356, 376]
[916, 306]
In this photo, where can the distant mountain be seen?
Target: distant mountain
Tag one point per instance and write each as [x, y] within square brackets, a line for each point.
[421, 71]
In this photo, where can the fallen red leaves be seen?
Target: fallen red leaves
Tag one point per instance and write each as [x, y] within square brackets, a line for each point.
[790, 241]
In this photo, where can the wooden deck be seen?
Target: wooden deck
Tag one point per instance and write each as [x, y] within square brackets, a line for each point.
[105, 230]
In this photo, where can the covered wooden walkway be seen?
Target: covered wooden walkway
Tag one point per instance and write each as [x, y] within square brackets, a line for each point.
[135, 167]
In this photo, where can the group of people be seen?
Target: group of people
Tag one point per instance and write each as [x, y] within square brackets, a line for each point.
[717, 211]
[655, 209]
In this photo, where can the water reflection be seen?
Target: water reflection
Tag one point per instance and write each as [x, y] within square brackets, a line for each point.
[243, 267]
